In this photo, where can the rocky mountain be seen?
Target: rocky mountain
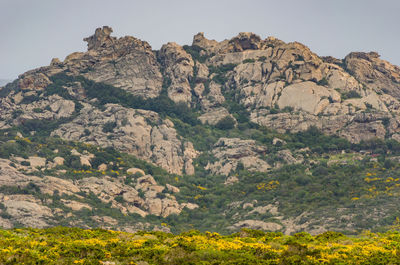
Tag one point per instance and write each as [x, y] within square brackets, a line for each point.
[247, 132]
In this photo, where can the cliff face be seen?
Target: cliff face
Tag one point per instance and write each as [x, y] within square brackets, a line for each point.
[145, 112]
[328, 93]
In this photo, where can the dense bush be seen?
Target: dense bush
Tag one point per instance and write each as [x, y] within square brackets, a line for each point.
[350, 94]
[194, 51]
[226, 123]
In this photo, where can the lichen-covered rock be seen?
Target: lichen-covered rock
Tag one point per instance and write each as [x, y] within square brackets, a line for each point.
[352, 127]
[307, 96]
[178, 66]
[213, 116]
[139, 132]
[257, 224]
[375, 73]
[126, 62]
[27, 210]
[229, 152]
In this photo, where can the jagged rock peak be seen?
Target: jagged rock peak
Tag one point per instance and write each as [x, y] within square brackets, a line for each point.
[101, 37]
[203, 42]
[243, 41]
[246, 41]
[363, 55]
[374, 72]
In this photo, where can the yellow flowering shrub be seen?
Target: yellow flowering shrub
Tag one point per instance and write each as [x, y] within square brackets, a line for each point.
[77, 246]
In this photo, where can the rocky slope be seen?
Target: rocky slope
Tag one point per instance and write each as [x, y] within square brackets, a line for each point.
[214, 110]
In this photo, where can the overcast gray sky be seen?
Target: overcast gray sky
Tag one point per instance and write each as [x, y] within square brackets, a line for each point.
[35, 31]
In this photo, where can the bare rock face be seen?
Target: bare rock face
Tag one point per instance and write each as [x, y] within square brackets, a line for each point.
[307, 96]
[339, 79]
[33, 81]
[210, 46]
[257, 224]
[213, 116]
[213, 99]
[348, 126]
[101, 38]
[142, 196]
[139, 132]
[375, 73]
[127, 62]
[179, 68]
[287, 156]
[52, 185]
[232, 151]
[27, 210]
[10, 176]
[245, 41]
[106, 189]
[50, 108]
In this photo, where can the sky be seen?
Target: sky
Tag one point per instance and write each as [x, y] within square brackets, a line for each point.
[35, 31]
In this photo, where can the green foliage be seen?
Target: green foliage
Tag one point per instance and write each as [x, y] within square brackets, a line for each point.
[16, 113]
[240, 113]
[6, 90]
[220, 72]
[37, 110]
[42, 127]
[194, 51]
[249, 61]
[108, 127]
[61, 245]
[323, 82]
[226, 123]
[108, 94]
[29, 99]
[350, 94]
[262, 59]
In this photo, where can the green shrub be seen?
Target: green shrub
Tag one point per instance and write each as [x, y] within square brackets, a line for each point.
[25, 163]
[109, 127]
[248, 61]
[323, 82]
[194, 51]
[226, 123]
[37, 110]
[262, 59]
[350, 94]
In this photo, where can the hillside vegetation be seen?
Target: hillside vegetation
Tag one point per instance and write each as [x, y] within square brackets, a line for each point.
[76, 246]
[214, 136]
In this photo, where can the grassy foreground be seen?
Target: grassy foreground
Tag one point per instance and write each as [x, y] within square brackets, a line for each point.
[61, 245]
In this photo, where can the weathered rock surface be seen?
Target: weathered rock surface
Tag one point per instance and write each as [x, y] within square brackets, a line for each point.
[127, 62]
[284, 86]
[27, 210]
[179, 68]
[257, 224]
[232, 151]
[348, 126]
[375, 73]
[139, 132]
[143, 196]
[213, 116]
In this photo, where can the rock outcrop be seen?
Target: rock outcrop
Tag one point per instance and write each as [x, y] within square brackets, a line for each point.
[230, 152]
[143, 197]
[375, 73]
[139, 132]
[281, 86]
[178, 67]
